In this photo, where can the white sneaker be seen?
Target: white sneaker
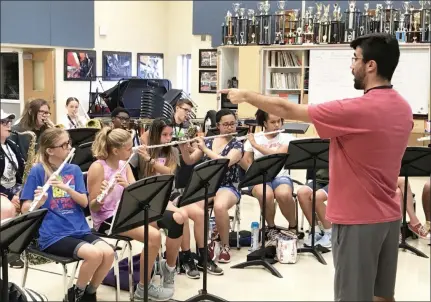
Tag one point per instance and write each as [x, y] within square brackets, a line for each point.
[317, 237]
[325, 241]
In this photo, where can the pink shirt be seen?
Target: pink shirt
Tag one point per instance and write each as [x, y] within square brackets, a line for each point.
[369, 135]
[112, 199]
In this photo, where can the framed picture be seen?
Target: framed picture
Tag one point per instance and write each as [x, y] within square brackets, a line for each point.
[116, 65]
[207, 58]
[79, 65]
[208, 81]
[150, 65]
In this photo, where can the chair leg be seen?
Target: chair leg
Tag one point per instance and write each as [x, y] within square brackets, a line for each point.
[130, 262]
[65, 288]
[72, 276]
[24, 275]
[117, 277]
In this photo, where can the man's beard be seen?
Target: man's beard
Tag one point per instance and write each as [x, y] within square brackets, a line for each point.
[359, 83]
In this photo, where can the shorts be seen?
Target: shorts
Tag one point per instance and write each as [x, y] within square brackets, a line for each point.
[365, 260]
[68, 246]
[279, 180]
[319, 186]
[233, 190]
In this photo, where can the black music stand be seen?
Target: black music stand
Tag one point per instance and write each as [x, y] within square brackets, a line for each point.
[204, 184]
[16, 234]
[83, 156]
[309, 154]
[142, 202]
[82, 135]
[261, 171]
[416, 162]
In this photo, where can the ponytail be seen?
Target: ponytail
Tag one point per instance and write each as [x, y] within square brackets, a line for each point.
[108, 139]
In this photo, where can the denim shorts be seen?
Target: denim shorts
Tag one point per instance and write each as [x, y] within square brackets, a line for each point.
[319, 186]
[233, 190]
[280, 180]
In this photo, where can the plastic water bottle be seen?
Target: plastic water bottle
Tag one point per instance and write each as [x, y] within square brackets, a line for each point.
[254, 236]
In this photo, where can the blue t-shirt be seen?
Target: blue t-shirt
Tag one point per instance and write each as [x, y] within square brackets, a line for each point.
[65, 217]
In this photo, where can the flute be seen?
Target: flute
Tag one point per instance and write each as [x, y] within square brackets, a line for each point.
[112, 180]
[188, 141]
[241, 138]
[54, 175]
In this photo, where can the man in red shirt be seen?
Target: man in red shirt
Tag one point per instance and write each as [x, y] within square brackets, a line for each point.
[368, 135]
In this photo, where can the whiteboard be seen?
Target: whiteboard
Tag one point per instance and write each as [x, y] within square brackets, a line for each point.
[331, 78]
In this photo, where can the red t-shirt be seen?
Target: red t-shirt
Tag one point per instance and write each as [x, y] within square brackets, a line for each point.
[369, 136]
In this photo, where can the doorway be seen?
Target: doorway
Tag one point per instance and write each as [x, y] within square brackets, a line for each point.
[39, 77]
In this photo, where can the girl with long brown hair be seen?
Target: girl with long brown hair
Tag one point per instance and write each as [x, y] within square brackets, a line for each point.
[165, 160]
[64, 231]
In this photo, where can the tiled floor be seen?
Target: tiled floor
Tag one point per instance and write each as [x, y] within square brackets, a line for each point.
[305, 280]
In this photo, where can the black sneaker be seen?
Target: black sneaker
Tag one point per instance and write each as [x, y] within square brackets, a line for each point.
[190, 269]
[18, 263]
[89, 297]
[212, 268]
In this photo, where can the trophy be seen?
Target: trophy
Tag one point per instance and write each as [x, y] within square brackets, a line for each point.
[316, 24]
[260, 15]
[325, 25]
[280, 24]
[243, 28]
[252, 24]
[400, 34]
[352, 20]
[337, 27]
[308, 26]
[389, 18]
[425, 16]
[228, 29]
[266, 24]
[376, 21]
[235, 21]
[364, 23]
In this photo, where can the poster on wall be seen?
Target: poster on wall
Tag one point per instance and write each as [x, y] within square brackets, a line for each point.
[79, 65]
[150, 65]
[116, 65]
[207, 58]
[207, 81]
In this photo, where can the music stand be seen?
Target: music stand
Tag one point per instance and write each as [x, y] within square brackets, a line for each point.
[309, 154]
[82, 135]
[83, 156]
[16, 234]
[142, 202]
[204, 184]
[416, 162]
[261, 171]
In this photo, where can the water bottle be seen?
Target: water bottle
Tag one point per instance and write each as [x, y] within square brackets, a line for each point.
[254, 236]
[211, 228]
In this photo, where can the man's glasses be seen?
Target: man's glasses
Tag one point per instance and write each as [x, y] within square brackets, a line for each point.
[64, 145]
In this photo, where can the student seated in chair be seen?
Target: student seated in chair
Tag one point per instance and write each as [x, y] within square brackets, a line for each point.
[64, 231]
[165, 161]
[414, 224]
[322, 237]
[112, 148]
[281, 187]
[228, 194]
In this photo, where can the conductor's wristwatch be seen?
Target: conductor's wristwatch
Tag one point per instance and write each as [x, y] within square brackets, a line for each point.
[152, 161]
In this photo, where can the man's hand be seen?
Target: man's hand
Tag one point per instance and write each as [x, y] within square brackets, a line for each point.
[237, 96]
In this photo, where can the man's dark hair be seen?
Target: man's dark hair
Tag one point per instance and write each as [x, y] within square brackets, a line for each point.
[118, 110]
[184, 101]
[222, 113]
[381, 48]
